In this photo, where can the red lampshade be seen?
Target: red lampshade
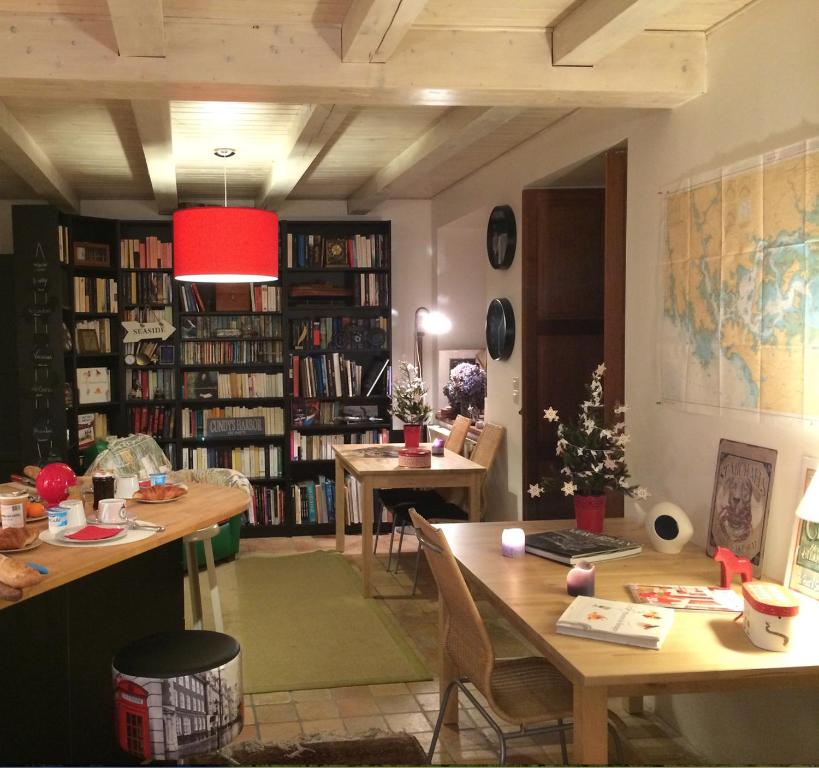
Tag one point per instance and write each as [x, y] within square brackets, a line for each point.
[225, 245]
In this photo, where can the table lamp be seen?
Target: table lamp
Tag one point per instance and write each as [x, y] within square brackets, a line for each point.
[808, 508]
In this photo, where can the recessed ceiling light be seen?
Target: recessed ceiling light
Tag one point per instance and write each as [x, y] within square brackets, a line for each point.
[224, 152]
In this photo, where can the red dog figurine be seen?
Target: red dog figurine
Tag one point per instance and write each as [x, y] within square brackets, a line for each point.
[730, 564]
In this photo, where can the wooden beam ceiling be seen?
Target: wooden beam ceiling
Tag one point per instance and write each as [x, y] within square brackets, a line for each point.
[597, 28]
[74, 58]
[373, 29]
[453, 133]
[153, 120]
[25, 157]
[139, 27]
[315, 130]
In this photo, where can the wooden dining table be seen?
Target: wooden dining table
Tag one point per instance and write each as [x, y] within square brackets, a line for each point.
[374, 472]
[60, 638]
[704, 651]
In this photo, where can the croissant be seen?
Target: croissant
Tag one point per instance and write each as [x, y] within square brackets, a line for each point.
[13, 538]
[14, 574]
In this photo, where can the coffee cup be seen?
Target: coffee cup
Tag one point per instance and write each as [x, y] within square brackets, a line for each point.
[111, 511]
[126, 486]
[76, 512]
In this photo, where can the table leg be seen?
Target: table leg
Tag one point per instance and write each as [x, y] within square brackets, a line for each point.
[591, 739]
[340, 506]
[367, 537]
[447, 669]
[475, 500]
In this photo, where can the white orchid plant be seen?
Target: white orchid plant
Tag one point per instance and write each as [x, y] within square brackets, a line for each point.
[593, 454]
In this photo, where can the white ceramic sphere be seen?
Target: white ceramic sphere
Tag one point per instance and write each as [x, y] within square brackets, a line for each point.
[669, 528]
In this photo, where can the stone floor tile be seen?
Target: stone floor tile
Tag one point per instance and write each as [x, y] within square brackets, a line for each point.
[424, 686]
[357, 707]
[389, 689]
[277, 697]
[312, 694]
[352, 692]
[276, 713]
[396, 704]
[317, 710]
[358, 725]
[428, 701]
[333, 725]
[407, 722]
[279, 731]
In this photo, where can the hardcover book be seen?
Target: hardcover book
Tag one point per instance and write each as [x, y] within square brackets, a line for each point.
[570, 545]
[615, 621]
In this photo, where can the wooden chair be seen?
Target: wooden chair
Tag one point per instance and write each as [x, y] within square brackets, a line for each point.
[523, 691]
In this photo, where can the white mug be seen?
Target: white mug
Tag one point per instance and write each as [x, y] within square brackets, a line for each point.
[76, 512]
[111, 511]
[126, 486]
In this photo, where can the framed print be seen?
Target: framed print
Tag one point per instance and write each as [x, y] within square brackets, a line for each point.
[803, 566]
[87, 341]
[740, 502]
[92, 255]
[335, 252]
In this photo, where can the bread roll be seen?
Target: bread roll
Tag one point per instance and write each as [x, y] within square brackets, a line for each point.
[13, 538]
[12, 594]
[14, 574]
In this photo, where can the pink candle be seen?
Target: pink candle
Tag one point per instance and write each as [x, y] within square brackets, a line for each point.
[580, 579]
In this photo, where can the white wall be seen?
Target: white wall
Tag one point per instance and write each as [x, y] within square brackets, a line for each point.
[763, 94]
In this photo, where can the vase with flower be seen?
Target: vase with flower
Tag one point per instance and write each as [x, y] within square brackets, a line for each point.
[409, 403]
[466, 389]
[593, 455]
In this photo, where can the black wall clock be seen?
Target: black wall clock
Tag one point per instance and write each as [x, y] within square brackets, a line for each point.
[500, 329]
[501, 237]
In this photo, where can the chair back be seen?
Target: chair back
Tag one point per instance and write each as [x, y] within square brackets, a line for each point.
[464, 636]
[457, 435]
[487, 446]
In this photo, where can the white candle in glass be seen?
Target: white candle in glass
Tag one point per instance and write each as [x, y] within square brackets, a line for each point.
[513, 542]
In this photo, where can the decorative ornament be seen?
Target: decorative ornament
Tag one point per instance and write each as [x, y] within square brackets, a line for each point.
[669, 528]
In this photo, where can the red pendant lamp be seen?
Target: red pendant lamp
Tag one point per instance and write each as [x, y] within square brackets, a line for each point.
[216, 244]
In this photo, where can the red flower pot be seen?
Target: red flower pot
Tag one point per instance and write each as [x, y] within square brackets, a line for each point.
[589, 512]
[412, 435]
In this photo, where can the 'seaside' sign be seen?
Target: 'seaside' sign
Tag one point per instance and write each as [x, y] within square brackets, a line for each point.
[243, 426]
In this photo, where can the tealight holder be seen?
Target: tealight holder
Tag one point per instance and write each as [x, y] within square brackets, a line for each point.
[513, 542]
[580, 579]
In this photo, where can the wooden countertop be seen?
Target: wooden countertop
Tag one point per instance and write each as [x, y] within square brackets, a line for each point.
[202, 506]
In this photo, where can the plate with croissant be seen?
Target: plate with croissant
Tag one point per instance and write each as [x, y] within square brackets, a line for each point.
[160, 494]
[18, 539]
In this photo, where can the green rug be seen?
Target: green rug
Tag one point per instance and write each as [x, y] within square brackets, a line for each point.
[302, 622]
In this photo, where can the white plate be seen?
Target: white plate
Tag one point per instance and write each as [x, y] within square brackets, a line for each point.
[164, 501]
[35, 543]
[63, 534]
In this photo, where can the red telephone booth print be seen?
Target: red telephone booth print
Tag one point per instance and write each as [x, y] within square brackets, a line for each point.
[131, 712]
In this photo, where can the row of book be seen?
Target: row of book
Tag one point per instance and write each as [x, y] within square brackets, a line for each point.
[155, 420]
[90, 427]
[267, 506]
[265, 298]
[231, 326]
[209, 385]
[330, 375]
[317, 252]
[320, 447]
[254, 461]
[95, 294]
[147, 288]
[150, 384]
[314, 501]
[352, 500]
[327, 332]
[93, 336]
[231, 352]
[62, 243]
[371, 290]
[150, 253]
[195, 421]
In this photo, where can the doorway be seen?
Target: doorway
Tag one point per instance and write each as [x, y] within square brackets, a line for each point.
[573, 311]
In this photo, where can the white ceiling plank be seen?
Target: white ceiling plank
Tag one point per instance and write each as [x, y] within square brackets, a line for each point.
[295, 64]
[139, 27]
[597, 28]
[455, 131]
[153, 120]
[315, 129]
[373, 29]
[25, 157]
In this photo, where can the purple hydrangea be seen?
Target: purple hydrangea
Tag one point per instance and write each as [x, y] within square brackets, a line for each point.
[466, 385]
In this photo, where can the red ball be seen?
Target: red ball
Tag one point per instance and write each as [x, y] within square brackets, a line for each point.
[54, 481]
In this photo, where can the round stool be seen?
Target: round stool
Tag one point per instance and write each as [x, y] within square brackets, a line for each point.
[177, 694]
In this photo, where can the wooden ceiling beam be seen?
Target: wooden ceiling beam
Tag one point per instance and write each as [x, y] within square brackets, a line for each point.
[153, 120]
[373, 29]
[26, 158]
[57, 57]
[317, 128]
[455, 131]
[139, 27]
[597, 28]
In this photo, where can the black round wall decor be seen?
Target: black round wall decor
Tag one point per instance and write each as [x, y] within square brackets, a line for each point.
[500, 329]
[501, 237]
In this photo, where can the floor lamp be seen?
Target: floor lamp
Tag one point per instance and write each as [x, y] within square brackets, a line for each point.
[427, 322]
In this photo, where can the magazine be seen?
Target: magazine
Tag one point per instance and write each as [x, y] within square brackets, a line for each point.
[615, 621]
[570, 545]
[689, 597]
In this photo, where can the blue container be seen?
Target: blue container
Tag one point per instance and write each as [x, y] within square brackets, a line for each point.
[57, 519]
[157, 478]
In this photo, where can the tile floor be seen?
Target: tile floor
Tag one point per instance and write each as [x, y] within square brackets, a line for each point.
[413, 707]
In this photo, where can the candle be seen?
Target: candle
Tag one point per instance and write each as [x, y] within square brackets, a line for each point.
[580, 579]
[513, 541]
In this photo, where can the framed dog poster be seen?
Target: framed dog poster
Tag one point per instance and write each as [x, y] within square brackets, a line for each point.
[740, 502]
[803, 567]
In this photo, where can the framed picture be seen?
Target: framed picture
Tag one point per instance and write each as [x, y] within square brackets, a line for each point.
[166, 354]
[87, 341]
[803, 565]
[741, 499]
[335, 252]
[92, 255]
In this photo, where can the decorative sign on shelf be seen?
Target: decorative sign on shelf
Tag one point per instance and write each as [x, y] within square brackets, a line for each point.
[243, 426]
[136, 331]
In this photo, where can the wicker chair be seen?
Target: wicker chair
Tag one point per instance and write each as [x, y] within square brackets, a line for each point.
[523, 691]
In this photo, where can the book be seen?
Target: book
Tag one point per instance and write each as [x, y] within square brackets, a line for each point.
[690, 597]
[570, 545]
[615, 621]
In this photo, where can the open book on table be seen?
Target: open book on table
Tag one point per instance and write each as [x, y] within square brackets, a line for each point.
[690, 597]
[570, 545]
[615, 621]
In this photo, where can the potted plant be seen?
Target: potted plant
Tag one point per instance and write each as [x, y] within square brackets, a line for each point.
[593, 455]
[409, 403]
[466, 388]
